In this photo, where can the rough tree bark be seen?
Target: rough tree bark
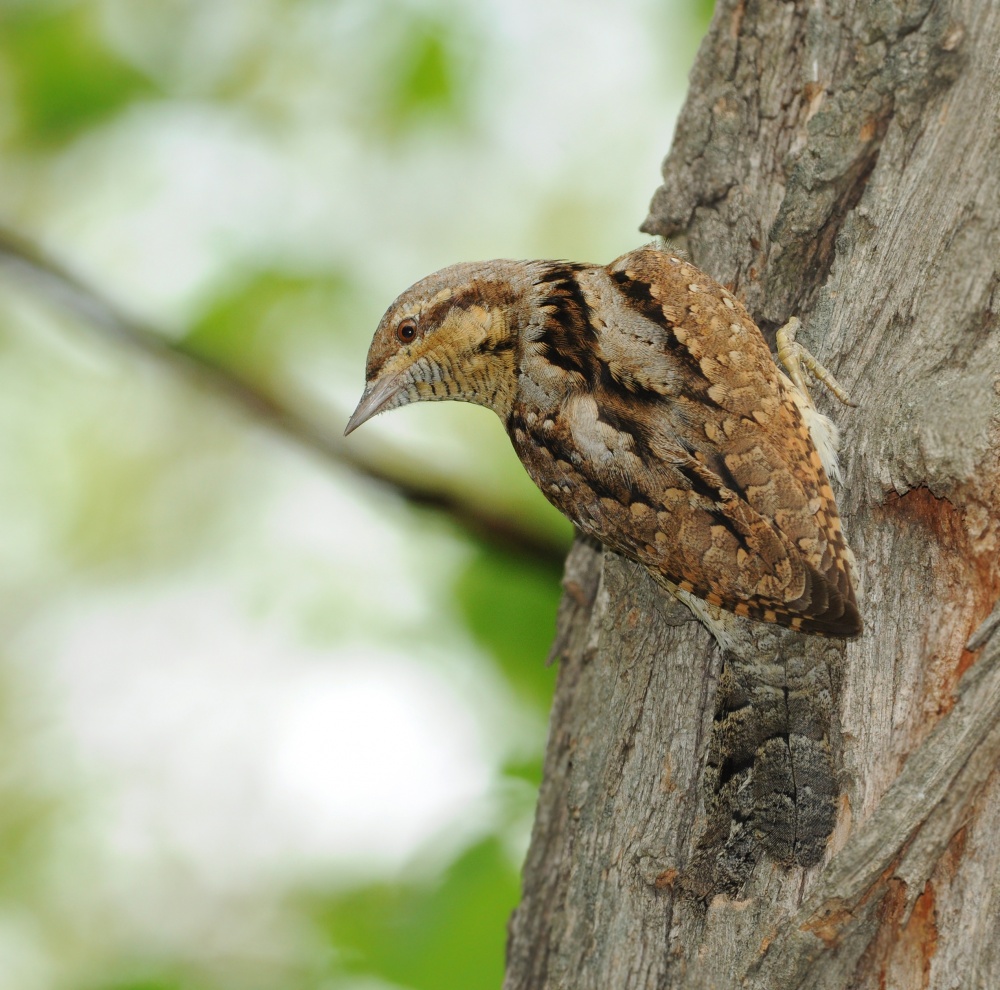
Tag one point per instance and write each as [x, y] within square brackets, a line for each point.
[839, 161]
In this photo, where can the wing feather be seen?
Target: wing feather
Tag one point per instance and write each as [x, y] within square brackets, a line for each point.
[685, 450]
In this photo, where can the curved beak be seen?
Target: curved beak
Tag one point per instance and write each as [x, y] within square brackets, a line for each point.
[374, 399]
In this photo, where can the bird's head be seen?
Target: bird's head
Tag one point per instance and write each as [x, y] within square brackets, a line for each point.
[453, 335]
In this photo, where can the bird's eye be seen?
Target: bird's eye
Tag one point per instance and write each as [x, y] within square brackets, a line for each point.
[407, 330]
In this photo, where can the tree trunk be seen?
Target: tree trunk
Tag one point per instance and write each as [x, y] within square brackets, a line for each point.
[837, 161]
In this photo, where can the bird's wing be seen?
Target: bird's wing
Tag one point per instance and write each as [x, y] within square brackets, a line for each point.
[686, 451]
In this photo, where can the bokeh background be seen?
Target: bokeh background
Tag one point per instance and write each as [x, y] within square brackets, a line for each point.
[273, 705]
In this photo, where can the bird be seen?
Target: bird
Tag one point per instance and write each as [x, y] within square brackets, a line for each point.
[644, 402]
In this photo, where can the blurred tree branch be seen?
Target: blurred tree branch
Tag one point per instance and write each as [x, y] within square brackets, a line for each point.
[21, 256]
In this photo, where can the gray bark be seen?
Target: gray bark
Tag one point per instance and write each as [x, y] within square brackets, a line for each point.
[837, 161]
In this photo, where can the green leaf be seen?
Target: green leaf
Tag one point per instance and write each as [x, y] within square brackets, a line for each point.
[703, 11]
[449, 935]
[65, 77]
[426, 77]
[250, 329]
[509, 605]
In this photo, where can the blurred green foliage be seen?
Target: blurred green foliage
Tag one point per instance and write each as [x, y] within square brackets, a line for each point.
[252, 328]
[65, 77]
[155, 982]
[447, 934]
[26, 811]
[136, 475]
[702, 13]
[427, 77]
[509, 605]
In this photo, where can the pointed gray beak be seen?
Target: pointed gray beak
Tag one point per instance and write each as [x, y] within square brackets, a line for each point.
[375, 398]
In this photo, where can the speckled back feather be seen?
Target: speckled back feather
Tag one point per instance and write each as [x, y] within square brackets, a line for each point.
[644, 402]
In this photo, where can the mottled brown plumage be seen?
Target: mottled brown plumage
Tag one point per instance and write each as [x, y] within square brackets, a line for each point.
[644, 402]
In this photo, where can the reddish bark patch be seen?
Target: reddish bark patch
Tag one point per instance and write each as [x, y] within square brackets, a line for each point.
[912, 950]
[667, 781]
[903, 948]
[665, 879]
[868, 130]
[964, 559]
[828, 928]
[736, 20]
[949, 863]
[887, 937]
[828, 923]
